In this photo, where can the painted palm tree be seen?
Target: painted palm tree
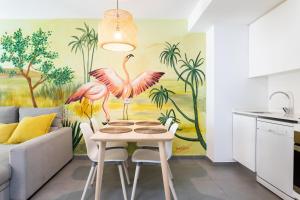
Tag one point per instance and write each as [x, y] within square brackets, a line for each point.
[86, 43]
[169, 114]
[126, 88]
[191, 74]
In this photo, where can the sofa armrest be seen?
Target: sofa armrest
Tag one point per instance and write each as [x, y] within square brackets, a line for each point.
[34, 162]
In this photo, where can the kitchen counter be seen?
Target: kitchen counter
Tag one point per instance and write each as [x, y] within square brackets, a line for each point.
[294, 118]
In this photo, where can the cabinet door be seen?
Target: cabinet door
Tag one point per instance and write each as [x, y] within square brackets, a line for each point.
[244, 138]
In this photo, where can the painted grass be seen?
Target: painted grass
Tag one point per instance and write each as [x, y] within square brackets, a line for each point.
[14, 91]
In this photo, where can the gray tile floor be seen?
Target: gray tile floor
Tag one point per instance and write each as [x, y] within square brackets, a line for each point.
[194, 179]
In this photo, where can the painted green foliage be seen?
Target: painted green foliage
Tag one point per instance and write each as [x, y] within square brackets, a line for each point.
[76, 132]
[189, 72]
[86, 44]
[29, 54]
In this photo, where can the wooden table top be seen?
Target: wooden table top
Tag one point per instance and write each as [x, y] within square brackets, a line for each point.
[132, 136]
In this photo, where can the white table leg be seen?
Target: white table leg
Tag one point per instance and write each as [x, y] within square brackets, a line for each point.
[164, 169]
[100, 167]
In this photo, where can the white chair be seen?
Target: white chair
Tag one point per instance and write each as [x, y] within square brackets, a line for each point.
[118, 156]
[168, 123]
[112, 145]
[141, 156]
[154, 145]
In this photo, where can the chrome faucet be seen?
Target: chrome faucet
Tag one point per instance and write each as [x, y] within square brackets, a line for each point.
[289, 95]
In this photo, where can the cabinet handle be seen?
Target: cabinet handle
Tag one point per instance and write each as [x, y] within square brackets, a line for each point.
[273, 131]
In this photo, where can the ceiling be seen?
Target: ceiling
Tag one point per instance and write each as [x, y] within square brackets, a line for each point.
[233, 12]
[199, 13]
[41, 9]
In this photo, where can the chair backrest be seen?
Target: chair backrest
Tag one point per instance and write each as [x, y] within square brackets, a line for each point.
[91, 146]
[95, 124]
[168, 123]
[169, 145]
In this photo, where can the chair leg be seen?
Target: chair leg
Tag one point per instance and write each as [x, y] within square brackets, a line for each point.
[126, 173]
[93, 167]
[122, 181]
[172, 189]
[136, 176]
[93, 177]
[170, 172]
[126, 163]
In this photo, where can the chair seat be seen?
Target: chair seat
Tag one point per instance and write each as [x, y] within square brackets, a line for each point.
[116, 155]
[146, 156]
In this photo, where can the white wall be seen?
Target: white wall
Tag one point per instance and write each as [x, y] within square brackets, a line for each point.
[228, 86]
[289, 81]
[275, 41]
[210, 92]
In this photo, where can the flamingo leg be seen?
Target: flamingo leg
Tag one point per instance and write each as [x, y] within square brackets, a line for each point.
[126, 111]
[92, 105]
[105, 107]
[124, 108]
[92, 109]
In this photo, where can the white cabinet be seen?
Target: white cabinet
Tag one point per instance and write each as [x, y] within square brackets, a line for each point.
[244, 140]
[275, 156]
[274, 40]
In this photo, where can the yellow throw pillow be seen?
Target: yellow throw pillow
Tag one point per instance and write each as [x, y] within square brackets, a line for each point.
[6, 131]
[31, 127]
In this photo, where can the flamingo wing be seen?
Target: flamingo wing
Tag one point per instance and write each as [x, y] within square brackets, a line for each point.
[144, 81]
[80, 93]
[111, 79]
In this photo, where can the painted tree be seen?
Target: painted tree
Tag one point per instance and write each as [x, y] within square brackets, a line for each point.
[29, 54]
[86, 44]
[190, 73]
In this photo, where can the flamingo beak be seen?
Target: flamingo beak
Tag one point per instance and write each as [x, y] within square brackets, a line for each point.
[129, 56]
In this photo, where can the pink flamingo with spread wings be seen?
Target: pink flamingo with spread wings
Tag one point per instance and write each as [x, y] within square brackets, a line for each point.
[125, 88]
[93, 91]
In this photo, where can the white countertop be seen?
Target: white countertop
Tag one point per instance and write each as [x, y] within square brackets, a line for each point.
[270, 115]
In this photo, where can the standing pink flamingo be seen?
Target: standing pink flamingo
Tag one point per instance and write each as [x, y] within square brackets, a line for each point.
[125, 88]
[93, 91]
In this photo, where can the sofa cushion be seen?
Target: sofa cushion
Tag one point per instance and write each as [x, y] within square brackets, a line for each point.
[9, 114]
[31, 127]
[6, 131]
[33, 112]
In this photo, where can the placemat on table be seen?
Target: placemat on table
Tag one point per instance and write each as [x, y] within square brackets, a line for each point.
[120, 123]
[147, 130]
[115, 130]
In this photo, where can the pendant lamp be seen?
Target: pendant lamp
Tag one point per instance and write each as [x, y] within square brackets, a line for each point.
[117, 30]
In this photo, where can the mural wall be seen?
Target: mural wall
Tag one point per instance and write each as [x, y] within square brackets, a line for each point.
[46, 63]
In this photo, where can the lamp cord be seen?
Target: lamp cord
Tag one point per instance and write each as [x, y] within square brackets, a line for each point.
[118, 28]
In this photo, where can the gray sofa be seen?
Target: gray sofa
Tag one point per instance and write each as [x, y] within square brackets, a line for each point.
[25, 167]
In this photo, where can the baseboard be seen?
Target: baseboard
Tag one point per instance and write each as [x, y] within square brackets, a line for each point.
[188, 157]
[80, 157]
[296, 195]
[274, 189]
